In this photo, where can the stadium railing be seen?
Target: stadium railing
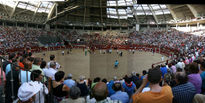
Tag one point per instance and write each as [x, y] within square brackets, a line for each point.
[47, 82]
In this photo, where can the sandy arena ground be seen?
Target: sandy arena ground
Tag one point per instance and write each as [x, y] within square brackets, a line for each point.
[102, 65]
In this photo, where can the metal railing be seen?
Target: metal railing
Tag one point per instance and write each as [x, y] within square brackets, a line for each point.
[49, 98]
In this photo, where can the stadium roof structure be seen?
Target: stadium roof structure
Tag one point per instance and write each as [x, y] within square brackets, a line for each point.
[97, 12]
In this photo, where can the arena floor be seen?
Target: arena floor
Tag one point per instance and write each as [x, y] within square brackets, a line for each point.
[102, 65]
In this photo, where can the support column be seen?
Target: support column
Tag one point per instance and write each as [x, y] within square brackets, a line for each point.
[197, 25]
[148, 27]
[167, 27]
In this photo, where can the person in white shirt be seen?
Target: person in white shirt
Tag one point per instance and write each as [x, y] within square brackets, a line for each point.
[162, 58]
[36, 77]
[50, 72]
[52, 59]
[180, 64]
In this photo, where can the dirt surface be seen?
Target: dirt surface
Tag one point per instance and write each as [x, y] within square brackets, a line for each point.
[102, 65]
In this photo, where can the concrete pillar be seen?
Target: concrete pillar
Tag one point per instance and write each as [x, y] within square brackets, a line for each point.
[197, 25]
[167, 27]
[148, 27]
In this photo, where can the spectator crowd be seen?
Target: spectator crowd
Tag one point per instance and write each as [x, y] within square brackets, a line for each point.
[29, 79]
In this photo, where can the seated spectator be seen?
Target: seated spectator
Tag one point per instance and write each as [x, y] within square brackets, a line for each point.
[128, 86]
[203, 76]
[144, 72]
[69, 81]
[157, 94]
[60, 90]
[24, 76]
[27, 92]
[74, 96]
[199, 98]
[184, 91]
[83, 87]
[173, 67]
[194, 77]
[51, 71]
[163, 70]
[52, 59]
[100, 93]
[119, 95]
[109, 86]
[95, 81]
[104, 80]
[180, 64]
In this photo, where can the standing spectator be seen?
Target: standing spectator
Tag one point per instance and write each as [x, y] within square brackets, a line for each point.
[24, 76]
[43, 66]
[116, 63]
[119, 95]
[27, 92]
[21, 62]
[5, 63]
[51, 71]
[36, 64]
[36, 78]
[184, 91]
[52, 59]
[157, 94]
[194, 77]
[16, 84]
[69, 81]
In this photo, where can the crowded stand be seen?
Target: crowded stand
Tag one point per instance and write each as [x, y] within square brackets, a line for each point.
[29, 79]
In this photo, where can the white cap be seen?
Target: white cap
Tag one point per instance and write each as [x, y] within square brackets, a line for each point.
[70, 75]
[82, 77]
[28, 90]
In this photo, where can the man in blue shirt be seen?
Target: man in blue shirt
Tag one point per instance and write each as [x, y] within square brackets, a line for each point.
[116, 64]
[184, 92]
[163, 70]
[69, 82]
[119, 95]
